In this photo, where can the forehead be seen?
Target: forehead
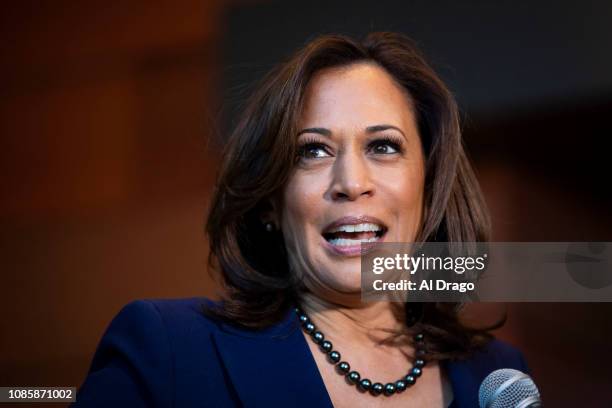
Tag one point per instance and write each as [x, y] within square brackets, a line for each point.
[354, 95]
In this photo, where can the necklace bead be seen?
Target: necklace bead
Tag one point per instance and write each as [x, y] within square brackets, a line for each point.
[377, 389]
[326, 346]
[389, 389]
[365, 384]
[334, 356]
[344, 367]
[353, 377]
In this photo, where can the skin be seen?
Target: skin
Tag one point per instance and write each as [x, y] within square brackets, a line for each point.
[347, 169]
[348, 175]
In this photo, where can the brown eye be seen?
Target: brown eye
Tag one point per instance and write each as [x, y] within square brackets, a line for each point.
[313, 151]
[385, 146]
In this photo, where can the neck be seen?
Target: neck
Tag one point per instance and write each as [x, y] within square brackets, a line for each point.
[369, 324]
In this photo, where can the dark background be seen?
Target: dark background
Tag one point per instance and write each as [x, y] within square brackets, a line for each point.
[112, 117]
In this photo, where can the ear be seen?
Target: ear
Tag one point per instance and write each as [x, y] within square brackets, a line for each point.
[269, 212]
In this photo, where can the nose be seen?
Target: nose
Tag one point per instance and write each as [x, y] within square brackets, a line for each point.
[351, 178]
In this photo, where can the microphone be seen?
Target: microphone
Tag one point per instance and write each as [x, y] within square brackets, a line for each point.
[508, 388]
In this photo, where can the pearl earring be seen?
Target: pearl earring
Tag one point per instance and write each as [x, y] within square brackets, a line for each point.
[269, 227]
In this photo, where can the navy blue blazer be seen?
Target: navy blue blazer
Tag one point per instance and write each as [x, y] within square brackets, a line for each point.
[166, 353]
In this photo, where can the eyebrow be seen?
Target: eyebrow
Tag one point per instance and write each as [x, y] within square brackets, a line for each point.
[380, 128]
[369, 129]
[321, 131]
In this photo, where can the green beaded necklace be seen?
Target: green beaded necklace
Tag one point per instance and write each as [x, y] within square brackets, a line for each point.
[353, 376]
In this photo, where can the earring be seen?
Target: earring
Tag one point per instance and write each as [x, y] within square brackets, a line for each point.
[269, 227]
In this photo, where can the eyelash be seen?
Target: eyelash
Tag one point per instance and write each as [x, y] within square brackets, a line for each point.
[311, 142]
[388, 140]
[308, 143]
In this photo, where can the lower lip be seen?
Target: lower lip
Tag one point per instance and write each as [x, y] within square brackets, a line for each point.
[352, 250]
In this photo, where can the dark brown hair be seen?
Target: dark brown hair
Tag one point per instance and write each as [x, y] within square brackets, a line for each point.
[260, 155]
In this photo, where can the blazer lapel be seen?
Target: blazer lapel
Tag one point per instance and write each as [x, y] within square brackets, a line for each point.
[273, 367]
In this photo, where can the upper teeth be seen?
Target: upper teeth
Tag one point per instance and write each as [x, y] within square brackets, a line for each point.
[356, 228]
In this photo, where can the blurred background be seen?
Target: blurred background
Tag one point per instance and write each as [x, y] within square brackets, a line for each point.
[112, 117]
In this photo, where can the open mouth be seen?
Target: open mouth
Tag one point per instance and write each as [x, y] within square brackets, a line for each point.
[354, 234]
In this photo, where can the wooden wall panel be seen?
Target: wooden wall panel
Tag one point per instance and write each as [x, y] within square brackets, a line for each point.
[106, 165]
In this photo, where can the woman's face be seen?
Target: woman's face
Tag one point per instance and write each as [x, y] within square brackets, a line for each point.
[359, 177]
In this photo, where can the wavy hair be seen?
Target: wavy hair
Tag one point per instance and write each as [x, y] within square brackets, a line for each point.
[252, 264]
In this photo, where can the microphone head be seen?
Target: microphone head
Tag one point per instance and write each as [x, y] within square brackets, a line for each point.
[508, 388]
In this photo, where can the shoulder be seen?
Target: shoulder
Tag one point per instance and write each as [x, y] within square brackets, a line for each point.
[176, 326]
[494, 355]
[176, 314]
[143, 346]
[181, 309]
[467, 375]
[167, 318]
[501, 354]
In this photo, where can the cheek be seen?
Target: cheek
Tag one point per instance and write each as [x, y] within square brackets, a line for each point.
[301, 204]
[410, 192]
[301, 213]
[404, 194]
[405, 182]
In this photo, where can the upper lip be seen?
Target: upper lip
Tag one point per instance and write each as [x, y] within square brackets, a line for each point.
[354, 220]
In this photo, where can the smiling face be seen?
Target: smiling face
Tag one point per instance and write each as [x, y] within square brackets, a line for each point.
[359, 177]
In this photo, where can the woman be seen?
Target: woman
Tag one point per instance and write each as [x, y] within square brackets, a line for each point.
[346, 142]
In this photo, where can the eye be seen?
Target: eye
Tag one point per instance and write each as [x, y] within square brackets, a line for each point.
[385, 145]
[313, 150]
